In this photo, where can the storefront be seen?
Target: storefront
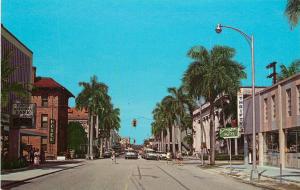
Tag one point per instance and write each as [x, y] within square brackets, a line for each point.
[271, 148]
[292, 151]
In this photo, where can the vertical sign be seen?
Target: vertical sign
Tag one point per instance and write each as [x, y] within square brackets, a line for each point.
[52, 131]
[240, 110]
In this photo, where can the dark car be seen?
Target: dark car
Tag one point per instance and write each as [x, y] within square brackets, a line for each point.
[107, 154]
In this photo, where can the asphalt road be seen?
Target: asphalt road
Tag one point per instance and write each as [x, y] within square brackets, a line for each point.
[134, 175]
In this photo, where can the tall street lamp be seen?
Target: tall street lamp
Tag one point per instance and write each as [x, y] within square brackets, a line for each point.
[250, 40]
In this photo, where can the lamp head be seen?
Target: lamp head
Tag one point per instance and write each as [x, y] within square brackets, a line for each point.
[219, 28]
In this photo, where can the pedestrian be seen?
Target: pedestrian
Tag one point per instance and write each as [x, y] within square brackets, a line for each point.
[36, 157]
[168, 157]
[31, 155]
[113, 157]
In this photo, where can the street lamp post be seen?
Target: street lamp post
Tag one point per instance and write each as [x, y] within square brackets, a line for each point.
[250, 40]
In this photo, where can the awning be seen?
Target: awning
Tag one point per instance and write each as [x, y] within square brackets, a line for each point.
[25, 132]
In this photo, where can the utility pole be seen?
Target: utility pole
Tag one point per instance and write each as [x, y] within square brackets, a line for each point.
[273, 74]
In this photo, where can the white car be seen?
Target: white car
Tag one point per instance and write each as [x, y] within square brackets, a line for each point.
[162, 155]
[131, 154]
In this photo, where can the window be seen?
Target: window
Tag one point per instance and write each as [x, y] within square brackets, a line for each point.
[289, 103]
[44, 121]
[266, 109]
[44, 144]
[298, 90]
[273, 107]
[44, 101]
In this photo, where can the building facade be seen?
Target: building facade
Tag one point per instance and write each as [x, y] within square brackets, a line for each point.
[277, 123]
[81, 116]
[201, 136]
[19, 57]
[51, 101]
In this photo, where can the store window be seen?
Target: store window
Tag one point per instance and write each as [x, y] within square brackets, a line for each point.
[288, 102]
[293, 141]
[44, 121]
[272, 142]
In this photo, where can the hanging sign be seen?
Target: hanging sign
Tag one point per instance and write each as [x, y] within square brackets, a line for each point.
[52, 131]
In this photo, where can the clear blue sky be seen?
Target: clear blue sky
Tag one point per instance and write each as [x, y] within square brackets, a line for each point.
[138, 47]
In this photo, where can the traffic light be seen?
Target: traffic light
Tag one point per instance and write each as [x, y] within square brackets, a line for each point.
[134, 122]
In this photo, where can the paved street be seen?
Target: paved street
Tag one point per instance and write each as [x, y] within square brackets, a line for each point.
[133, 174]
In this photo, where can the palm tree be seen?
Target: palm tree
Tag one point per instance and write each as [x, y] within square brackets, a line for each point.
[93, 97]
[292, 11]
[177, 107]
[211, 74]
[110, 118]
[286, 72]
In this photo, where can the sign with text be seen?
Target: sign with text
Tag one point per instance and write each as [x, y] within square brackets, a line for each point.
[52, 131]
[229, 133]
[23, 115]
[240, 109]
[23, 110]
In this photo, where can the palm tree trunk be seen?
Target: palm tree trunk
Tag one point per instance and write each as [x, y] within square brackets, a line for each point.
[168, 138]
[173, 140]
[91, 137]
[179, 139]
[212, 135]
[162, 140]
[101, 147]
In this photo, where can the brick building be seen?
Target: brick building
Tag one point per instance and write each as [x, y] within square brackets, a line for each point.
[51, 101]
[81, 116]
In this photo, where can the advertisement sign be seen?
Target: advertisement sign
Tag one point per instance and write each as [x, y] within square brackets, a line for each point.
[23, 115]
[229, 133]
[23, 110]
[52, 131]
[240, 109]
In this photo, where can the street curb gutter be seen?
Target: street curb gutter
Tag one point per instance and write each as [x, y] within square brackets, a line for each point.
[12, 184]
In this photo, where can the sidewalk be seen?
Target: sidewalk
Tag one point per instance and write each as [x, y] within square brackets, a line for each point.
[10, 178]
[292, 175]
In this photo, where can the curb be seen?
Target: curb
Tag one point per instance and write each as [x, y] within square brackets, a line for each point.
[12, 184]
[256, 184]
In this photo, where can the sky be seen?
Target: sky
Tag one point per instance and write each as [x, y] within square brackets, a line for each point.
[138, 47]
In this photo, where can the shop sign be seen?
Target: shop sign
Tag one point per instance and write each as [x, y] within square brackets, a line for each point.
[240, 109]
[23, 110]
[229, 133]
[23, 115]
[52, 131]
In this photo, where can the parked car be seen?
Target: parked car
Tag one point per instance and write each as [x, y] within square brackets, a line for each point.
[107, 154]
[131, 154]
[151, 155]
[162, 155]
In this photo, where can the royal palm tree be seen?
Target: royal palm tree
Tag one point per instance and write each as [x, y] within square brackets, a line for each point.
[286, 72]
[211, 74]
[110, 120]
[292, 11]
[93, 97]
